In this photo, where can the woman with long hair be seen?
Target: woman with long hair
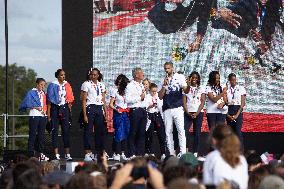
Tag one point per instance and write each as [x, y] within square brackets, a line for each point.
[193, 103]
[93, 93]
[59, 103]
[227, 156]
[217, 98]
[236, 101]
[121, 121]
[35, 102]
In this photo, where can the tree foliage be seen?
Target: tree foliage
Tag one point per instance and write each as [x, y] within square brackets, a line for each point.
[23, 80]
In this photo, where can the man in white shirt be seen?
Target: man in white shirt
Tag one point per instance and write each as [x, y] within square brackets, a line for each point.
[134, 97]
[170, 91]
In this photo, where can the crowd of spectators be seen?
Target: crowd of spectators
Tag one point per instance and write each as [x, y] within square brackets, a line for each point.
[226, 167]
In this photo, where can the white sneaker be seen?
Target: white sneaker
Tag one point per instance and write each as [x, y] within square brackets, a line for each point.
[93, 156]
[88, 157]
[42, 157]
[179, 155]
[132, 157]
[200, 158]
[57, 156]
[68, 157]
[195, 154]
[152, 155]
[146, 155]
[116, 157]
[123, 157]
[163, 157]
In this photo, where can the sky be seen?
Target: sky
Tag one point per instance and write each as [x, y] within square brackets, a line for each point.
[35, 35]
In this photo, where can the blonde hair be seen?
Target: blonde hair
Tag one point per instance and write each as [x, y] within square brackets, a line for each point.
[224, 185]
[230, 149]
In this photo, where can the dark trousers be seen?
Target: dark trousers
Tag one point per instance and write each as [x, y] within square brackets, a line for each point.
[238, 123]
[157, 124]
[60, 115]
[197, 124]
[214, 119]
[36, 128]
[96, 124]
[120, 146]
[136, 138]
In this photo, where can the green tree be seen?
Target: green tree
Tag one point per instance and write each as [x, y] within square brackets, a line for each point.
[22, 79]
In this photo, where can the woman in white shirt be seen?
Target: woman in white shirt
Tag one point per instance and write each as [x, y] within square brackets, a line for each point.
[121, 121]
[193, 103]
[35, 102]
[217, 97]
[226, 162]
[236, 101]
[59, 105]
[93, 108]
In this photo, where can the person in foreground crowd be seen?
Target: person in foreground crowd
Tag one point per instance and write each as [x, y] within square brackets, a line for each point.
[59, 103]
[134, 97]
[170, 90]
[217, 98]
[35, 102]
[93, 108]
[121, 121]
[236, 96]
[193, 103]
[226, 162]
[157, 123]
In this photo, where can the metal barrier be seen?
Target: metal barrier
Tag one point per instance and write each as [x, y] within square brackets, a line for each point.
[5, 135]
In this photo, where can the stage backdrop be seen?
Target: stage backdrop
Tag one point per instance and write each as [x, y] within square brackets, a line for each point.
[127, 39]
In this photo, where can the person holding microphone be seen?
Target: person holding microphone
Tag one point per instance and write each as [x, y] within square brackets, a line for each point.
[171, 91]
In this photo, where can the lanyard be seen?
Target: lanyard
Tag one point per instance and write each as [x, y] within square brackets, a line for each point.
[216, 89]
[40, 94]
[194, 91]
[97, 88]
[233, 92]
[61, 91]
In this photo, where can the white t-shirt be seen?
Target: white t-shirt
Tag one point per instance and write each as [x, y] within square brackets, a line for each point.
[234, 94]
[216, 170]
[94, 91]
[150, 100]
[193, 98]
[133, 95]
[119, 100]
[212, 106]
[35, 112]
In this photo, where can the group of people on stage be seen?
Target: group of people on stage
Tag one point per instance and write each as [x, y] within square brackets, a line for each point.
[139, 108]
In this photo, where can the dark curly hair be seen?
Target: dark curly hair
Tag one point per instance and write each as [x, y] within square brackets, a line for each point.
[121, 82]
[100, 78]
[198, 76]
[212, 80]
[231, 75]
